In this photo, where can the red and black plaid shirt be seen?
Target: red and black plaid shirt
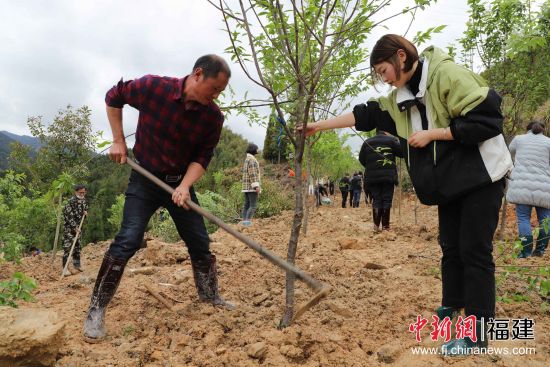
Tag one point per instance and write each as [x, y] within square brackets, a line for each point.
[169, 136]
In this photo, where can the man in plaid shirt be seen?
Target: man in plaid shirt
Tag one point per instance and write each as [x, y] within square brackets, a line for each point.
[179, 126]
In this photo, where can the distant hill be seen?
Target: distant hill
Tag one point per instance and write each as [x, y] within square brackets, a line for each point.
[6, 138]
[23, 139]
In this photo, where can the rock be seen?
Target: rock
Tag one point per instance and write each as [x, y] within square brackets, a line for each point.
[291, 351]
[159, 253]
[182, 275]
[388, 353]
[340, 310]
[257, 350]
[157, 355]
[220, 351]
[182, 340]
[29, 337]
[147, 270]
[352, 244]
[84, 279]
[335, 337]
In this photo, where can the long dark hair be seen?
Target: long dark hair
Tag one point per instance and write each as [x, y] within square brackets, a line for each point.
[386, 49]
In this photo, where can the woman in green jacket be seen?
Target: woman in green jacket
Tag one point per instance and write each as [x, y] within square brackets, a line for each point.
[450, 129]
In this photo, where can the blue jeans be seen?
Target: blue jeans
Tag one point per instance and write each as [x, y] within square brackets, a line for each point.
[143, 198]
[523, 213]
[250, 203]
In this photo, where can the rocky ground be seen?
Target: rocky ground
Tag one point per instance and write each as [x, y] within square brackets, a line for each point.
[380, 283]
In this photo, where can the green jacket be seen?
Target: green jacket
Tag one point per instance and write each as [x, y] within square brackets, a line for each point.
[456, 97]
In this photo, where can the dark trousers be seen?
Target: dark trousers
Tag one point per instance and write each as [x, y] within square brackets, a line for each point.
[68, 239]
[356, 198]
[143, 198]
[466, 228]
[382, 195]
[250, 203]
[344, 198]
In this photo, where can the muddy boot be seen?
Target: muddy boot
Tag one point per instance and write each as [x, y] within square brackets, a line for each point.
[527, 247]
[206, 281]
[542, 244]
[386, 219]
[376, 217]
[467, 346]
[76, 264]
[106, 285]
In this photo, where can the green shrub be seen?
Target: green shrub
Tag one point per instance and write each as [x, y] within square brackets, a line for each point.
[18, 288]
[11, 246]
[116, 210]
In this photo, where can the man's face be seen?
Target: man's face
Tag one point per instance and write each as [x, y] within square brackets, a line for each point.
[206, 90]
[81, 194]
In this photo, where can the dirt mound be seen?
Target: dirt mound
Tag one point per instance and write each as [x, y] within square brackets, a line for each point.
[380, 283]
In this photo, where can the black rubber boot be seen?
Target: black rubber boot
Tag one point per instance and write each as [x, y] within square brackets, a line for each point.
[527, 247]
[206, 281]
[376, 217]
[386, 219]
[106, 284]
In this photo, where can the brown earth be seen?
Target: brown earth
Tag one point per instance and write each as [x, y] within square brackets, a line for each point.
[380, 283]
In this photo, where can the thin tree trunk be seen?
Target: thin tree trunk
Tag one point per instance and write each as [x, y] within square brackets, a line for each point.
[296, 225]
[306, 203]
[57, 228]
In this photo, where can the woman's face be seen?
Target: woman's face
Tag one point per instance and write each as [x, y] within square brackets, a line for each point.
[388, 74]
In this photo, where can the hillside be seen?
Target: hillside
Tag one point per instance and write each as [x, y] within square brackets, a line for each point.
[7, 138]
[380, 283]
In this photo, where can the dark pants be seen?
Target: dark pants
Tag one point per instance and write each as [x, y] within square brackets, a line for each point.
[68, 239]
[356, 198]
[250, 203]
[344, 198]
[466, 228]
[350, 198]
[382, 195]
[143, 198]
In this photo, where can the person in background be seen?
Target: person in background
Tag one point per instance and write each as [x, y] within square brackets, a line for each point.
[344, 186]
[356, 188]
[331, 186]
[377, 155]
[73, 213]
[529, 186]
[250, 184]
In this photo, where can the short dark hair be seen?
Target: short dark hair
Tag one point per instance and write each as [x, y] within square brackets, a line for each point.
[536, 127]
[212, 65]
[252, 149]
[79, 187]
[386, 49]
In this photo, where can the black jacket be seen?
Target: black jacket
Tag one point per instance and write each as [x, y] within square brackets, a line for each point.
[356, 183]
[377, 155]
[344, 184]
